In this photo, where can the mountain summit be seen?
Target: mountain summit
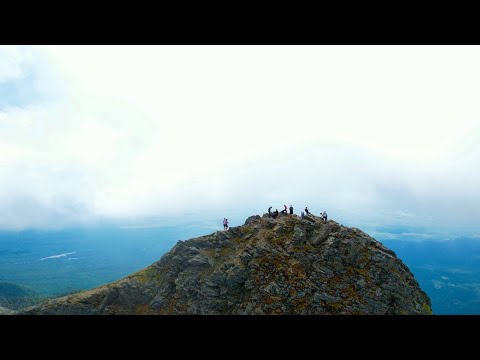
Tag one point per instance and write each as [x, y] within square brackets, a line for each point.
[286, 265]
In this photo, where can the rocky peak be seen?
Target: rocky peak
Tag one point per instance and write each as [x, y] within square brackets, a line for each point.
[286, 265]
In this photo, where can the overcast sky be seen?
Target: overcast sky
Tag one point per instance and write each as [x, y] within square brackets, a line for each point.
[379, 135]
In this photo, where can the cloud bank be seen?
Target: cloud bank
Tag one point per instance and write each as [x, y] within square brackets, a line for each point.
[373, 134]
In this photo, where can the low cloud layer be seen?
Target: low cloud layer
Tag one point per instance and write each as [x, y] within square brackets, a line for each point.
[374, 135]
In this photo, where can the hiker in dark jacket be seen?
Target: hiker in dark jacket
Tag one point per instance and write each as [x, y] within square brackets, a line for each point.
[306, 210]
[270, 211]
[291, 210]
[285, 210]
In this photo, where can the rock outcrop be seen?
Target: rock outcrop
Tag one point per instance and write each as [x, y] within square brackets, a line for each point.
[286, 265]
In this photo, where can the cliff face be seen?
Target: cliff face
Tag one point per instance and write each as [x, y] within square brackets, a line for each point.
[284, 266]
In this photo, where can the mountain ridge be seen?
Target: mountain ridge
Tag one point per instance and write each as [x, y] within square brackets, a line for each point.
[287, 265]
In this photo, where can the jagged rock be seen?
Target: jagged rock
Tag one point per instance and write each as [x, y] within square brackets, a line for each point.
[252, 219]
[199, 260]
[286, 265]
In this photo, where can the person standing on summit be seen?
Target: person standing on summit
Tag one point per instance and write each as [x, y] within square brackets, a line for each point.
[306, 210]
[270, 211]
[324, 216]
[291, 210]
[225, 224]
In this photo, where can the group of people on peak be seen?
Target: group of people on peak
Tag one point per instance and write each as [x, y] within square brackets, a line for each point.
[275, 213]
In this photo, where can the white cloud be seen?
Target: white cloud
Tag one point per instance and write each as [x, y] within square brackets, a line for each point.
[371, 133]
[12, 60]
